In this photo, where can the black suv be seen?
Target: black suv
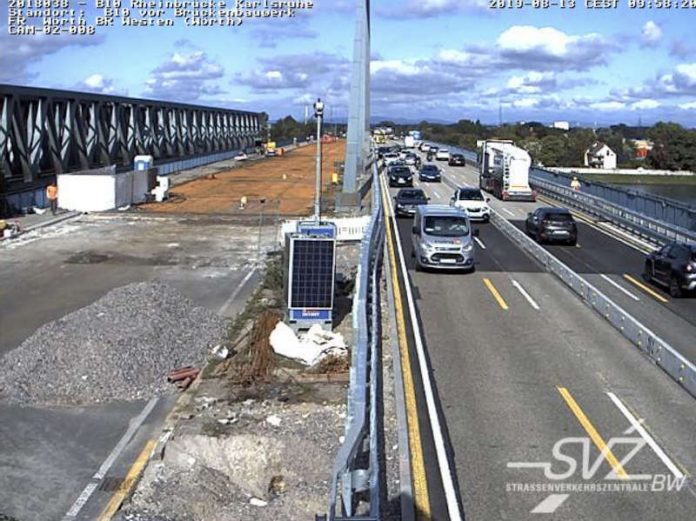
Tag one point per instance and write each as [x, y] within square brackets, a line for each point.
[407, 199]
[674, 266]
[552, 224]
[430, 173]
[400, 176]
[456, 160]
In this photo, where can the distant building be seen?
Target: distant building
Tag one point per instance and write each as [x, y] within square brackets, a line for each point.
[563, 125]
[642, 147]
[600, 155]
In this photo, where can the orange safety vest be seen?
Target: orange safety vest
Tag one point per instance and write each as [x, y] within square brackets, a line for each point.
[52, 192]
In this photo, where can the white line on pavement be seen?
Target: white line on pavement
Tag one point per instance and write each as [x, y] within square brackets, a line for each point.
[230, 300]
[646, 436]
[438, 438]
[620, 288]
[436, 194]
[508, 212]
[480, 243]
[526, 295]
[550, 504]
[115, 453]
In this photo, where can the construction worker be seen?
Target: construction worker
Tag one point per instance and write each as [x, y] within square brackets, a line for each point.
[52, 196]
[575, 184]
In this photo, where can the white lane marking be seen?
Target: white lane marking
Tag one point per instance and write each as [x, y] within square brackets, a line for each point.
[508, 212]
[550, 504]
[526, 295]
[436, 194]
[229, 301]
[617, 286]
[646, 436]
[480, 243]
[109, 461]
[441, 452]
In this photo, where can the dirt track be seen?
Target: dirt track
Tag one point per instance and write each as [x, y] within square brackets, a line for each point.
[221, 193]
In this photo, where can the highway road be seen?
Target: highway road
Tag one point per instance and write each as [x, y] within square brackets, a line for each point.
[520, 367]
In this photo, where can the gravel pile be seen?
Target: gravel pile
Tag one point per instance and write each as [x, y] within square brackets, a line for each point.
[121, 347]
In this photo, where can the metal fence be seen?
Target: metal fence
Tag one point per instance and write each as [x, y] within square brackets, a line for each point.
[664, 355]
[356, 474]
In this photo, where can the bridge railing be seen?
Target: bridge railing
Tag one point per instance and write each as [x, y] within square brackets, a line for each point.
[355, 488]
[664, 355]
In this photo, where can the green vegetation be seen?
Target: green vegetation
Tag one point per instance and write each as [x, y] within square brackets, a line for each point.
[287, 129]
[675, 146]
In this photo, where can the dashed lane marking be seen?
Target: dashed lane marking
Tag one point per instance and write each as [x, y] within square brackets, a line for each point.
[593, 434]
[526, 295]
[645, 288]
[496, 295]
[480, 242]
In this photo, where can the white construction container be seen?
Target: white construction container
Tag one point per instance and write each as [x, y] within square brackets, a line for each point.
[101, 190]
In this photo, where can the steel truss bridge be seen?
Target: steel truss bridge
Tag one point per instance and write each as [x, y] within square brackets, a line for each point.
[44, 132]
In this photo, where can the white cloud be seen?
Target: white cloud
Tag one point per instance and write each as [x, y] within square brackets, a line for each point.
[691, 105]
[646, 104]
[397, 66]
[100, 85]
[531, 83]
[651, 34]
[608, 105]
[525, 103]
[184, 77]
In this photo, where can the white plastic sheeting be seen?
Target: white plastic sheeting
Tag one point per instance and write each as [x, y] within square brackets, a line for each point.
[309, 348]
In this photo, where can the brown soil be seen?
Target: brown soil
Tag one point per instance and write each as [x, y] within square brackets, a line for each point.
[220, 193]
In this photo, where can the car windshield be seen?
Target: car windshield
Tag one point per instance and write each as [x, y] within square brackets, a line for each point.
[429, 168]
[400, 171]
[457, 156]
[443, 150]
[470, 195]
[446, 226]
[559, 217]
[411, 194]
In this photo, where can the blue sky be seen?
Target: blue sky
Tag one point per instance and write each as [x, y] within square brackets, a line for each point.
[432, 59]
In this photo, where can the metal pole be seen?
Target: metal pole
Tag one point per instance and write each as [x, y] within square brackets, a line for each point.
[318, 112]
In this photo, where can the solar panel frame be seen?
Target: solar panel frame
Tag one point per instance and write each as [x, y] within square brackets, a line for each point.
[312, 273]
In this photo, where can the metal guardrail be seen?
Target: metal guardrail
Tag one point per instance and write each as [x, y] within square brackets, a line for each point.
[356, 472]
[634, 222]
[664, 355]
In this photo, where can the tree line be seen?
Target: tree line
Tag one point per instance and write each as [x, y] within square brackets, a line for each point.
[674, 146]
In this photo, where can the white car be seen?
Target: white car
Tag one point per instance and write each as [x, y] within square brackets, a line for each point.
[241, 157]
[390, 157]
[424, 147]
[471, 200]
[442, 154]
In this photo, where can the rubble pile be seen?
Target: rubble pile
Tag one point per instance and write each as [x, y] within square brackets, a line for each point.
[121, 347]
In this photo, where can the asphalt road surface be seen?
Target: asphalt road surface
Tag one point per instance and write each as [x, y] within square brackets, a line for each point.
[522, 368]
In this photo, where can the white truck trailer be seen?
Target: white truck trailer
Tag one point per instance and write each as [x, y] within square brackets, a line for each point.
[504, 170]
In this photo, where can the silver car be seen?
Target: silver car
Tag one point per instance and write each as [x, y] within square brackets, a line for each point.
[443, 238]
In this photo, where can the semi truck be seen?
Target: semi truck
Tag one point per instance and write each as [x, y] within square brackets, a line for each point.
[504, 170]
[413, 139]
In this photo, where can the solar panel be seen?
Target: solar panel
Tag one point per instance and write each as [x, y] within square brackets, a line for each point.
[312, 273]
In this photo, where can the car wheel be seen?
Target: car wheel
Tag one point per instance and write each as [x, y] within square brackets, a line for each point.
[537, 238]
[418, 266]
[573, 242]
[487, 219]
[674, 287]
[647, 272]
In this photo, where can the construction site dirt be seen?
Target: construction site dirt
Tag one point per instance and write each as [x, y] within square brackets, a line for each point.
[286, 185]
